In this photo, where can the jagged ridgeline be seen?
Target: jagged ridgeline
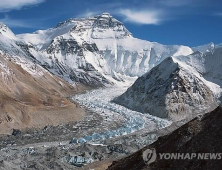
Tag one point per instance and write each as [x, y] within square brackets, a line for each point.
[97, 50]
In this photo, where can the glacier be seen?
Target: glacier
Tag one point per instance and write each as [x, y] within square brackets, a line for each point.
[99, 101]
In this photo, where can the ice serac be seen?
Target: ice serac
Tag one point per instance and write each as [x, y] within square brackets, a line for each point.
[170, 90]
[97, 50]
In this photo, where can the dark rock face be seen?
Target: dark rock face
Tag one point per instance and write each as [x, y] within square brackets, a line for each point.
[3, 28]
[26, 49]
[16, 132]
[106, 21]
[115, 148]
[68, 46]
[200, 135]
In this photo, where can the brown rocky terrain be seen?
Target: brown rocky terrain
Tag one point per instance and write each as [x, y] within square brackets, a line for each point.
[34, 101]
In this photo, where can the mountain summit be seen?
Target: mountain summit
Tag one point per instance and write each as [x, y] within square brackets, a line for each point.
[97, 50]
[99, 27]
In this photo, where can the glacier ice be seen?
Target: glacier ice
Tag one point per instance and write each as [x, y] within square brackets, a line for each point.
[99, 101]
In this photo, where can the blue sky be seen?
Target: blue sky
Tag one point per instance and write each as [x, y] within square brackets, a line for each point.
[186, 22]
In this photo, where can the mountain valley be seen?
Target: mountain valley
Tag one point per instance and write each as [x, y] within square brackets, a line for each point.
[86, 93]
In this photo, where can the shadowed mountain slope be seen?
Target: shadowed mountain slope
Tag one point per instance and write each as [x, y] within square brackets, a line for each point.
[200, 135]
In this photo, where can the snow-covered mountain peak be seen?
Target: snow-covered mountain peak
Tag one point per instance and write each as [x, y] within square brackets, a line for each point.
[106, 14]
[210, 47]
[98, 27]
[205, 48]
[6, 32]
[105, 26]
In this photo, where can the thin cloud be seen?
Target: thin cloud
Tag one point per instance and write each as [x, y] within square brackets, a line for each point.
[218, 14]
[87, 14]
[8, 5]
[146, 12]
[142, 17]
[99, 9]
[16, 23]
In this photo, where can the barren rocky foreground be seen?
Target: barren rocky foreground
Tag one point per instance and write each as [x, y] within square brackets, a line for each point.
[108, 132]
[201, 135]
